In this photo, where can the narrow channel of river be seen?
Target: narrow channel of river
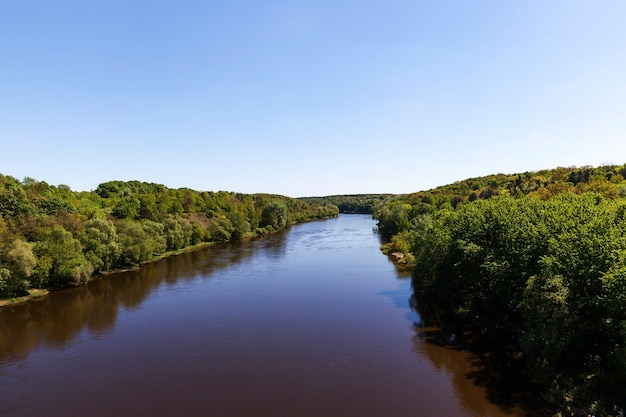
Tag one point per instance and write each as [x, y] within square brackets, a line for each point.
[314, 321]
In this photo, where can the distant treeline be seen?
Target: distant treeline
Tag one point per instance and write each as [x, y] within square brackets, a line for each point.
[535, 262]
[51, 236]
[352, 204]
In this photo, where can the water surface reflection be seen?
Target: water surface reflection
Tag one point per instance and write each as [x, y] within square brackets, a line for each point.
[310, 322]
[54, 320]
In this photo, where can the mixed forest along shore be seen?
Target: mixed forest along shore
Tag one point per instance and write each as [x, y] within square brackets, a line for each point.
[52, 237]
[532, 265]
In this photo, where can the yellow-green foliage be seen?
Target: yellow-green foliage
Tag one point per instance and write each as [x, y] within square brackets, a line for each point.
[607, 181]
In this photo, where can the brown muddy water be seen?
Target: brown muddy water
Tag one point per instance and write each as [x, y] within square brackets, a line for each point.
[314, 321]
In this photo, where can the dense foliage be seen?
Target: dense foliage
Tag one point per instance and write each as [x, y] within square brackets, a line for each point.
[538, 264]
[352, 204]
[51, 236]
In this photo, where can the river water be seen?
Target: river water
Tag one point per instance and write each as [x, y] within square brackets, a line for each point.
[313, 321]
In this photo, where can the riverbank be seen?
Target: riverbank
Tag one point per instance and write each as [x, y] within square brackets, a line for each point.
[32, 293]
[41, 292]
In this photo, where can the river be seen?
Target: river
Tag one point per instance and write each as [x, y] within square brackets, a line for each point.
[313, 321]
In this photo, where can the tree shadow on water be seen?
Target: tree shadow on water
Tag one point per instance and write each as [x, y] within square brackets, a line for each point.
[478, 360]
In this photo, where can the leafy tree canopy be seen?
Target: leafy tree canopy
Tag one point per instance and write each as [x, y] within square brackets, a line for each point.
[51, 236]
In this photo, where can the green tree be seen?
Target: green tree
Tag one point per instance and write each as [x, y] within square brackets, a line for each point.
[6, 287]
[178, 232]
[135, 244]
[156, 232]
[239, 224]
[60, 259]
[13, 198]
[18, 264]
[394, 219]
[127, 208]
[100, 244]
[274, 214]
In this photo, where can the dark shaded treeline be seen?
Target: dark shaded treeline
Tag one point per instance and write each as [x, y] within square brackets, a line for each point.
[535, 265]
[52, 236]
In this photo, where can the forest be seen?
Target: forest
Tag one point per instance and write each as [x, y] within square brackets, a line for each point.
[352, 204]
[531, 263]
[51, 236]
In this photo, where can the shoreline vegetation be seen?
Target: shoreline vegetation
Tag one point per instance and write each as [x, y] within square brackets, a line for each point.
[40, 292]
[533, 267]
[52, 237]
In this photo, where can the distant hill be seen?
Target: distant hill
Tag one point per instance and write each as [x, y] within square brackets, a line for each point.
[353, 203]
[608, 181]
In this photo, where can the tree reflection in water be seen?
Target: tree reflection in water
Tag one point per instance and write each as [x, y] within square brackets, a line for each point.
[55, 320]
[473, 370]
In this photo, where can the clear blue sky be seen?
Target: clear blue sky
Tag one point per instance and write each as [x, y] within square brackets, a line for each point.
[306, 98]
